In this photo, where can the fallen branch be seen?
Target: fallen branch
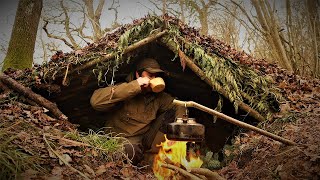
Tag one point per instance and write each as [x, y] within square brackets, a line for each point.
[6, 91]
[71, 142]
[207, 173]
[28, 93]
[4, 88]
[62, 159]
[183, 172]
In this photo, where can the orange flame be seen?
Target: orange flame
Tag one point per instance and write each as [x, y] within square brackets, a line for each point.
[176, 153]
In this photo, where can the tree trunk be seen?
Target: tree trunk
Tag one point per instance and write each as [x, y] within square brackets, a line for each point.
[270, 26]
[314, 25]
[182, 15]
[164, 7]
[203, 16]
[23, 37]
[94, 17]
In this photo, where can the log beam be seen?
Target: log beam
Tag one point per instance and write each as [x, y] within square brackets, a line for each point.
[253, 113]
[130, 48]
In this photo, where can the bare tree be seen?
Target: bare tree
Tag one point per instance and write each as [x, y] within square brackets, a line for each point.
[75, 32]
[24, 33]
[224, 24]
[312, 9]
[291, 34]
[201, 8]
[271, 30]
[186, 9]
[94, 16]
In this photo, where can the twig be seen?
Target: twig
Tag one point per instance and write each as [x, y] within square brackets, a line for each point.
[207, 173]
[64, 82]
[15, 124]
[75, 143]
[183, 172]
[56, 37]
[63, 160]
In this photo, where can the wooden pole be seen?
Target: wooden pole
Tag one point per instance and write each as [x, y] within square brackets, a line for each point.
[200, 73]
[127, 50]
[233, 121]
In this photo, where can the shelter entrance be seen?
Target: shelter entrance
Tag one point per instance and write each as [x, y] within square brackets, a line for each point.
[74, 99]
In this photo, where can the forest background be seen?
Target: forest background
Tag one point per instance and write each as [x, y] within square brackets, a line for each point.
[285, 32]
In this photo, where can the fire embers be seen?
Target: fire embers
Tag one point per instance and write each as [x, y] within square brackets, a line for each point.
[175, 153]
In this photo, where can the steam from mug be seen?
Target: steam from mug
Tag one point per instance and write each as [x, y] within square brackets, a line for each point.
[157, 84]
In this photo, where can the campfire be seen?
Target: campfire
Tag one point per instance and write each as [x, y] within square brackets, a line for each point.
[174, 153]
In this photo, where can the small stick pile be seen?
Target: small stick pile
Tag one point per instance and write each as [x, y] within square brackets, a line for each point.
[194, 173]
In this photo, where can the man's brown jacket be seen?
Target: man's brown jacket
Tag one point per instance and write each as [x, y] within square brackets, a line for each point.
[130, 111]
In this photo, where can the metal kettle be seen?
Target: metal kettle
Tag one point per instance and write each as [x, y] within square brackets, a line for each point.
[185, 129]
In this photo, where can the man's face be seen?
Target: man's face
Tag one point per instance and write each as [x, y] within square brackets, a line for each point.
[149, 75]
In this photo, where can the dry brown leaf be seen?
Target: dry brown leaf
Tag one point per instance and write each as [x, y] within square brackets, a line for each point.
[29, 174]
[285, 108]
[110, 164]
[182, 59]
[78, 52]
[51, 154]
[66, 158]
[56, 171]
[94, 153]
[89, 170]
[282, 85]
[101, 169]
[227, 152]
[45, 117]
[126, 172]
[141, 177]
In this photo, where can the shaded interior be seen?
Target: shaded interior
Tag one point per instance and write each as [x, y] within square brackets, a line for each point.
[74, 99]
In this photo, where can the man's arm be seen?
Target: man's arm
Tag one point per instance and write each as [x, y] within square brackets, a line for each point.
[105, 98]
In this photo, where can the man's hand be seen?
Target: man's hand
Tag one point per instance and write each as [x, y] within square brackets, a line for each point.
[143, 81]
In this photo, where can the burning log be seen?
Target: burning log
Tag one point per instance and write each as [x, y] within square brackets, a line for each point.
[173, 155]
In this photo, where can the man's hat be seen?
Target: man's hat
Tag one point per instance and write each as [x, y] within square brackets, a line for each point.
[150, 65]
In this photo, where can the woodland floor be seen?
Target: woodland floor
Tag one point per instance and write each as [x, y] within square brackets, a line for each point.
[258, 157]
[252, 156]
[48, 152]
